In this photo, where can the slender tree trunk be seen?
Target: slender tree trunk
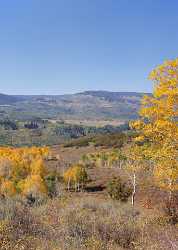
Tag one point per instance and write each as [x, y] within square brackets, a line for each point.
[134, 190]
[120, 164]
[68, 185]
[170, 190]
[75, 186]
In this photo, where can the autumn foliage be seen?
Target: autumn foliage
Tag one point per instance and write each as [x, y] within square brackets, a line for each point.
[76, 176]
[22, 171]
[158, 125]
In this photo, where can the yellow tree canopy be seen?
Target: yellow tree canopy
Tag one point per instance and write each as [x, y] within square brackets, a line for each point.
[76, 174]
[158, 123]
[22, 170]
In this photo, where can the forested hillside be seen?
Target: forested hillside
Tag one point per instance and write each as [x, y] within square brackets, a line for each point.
[92, 105]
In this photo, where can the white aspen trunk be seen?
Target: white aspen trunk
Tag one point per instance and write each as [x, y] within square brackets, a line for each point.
[68, 185]
[75, 186]
[170, 190]
[134, 190]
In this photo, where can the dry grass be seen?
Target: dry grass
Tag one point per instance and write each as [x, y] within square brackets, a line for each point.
[83, 222]
[87, 220]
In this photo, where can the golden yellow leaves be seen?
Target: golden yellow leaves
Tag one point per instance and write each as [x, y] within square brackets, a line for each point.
[33, 184]
[8, 188]
[166, 71]
[136, 124]
[22, 170]
[104, 158]
[37, 167]
[75, 175]
[165, 174]
[159, 124]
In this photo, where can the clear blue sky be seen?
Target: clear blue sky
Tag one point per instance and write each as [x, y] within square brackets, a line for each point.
[66, 46]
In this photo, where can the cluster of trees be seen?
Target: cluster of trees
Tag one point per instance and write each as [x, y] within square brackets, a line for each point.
[45, 132]
[75, 131]
[23, 171]
[8, 124]
[31, 125]
[70, 131]
[129, 159]
[109, 140]
[110, 158]
[76, 177]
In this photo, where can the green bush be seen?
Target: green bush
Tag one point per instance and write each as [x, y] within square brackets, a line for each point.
[119, 190]
[52, 180]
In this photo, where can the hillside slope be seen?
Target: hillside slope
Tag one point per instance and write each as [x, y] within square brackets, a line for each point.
[90, 105]
[8, 99]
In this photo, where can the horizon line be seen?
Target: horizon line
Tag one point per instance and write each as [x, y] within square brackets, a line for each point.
[77, 92]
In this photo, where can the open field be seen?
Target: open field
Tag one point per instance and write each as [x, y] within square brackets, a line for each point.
[100, 176]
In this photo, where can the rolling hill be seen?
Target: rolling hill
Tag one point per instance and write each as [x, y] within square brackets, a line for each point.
[88, 105]
[8, 99]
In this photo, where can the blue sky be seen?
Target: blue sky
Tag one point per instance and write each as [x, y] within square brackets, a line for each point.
[66, 46]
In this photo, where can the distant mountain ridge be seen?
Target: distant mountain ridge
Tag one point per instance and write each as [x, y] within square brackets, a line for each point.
[91, 105]
[8, 99]
[109, 95]
[106, 93]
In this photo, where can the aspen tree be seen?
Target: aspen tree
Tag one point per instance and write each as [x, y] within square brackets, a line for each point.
[158, 125]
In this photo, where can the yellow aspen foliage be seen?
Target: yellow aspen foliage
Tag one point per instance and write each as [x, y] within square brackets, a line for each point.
[80, 174]
[22, 170]
[8, 188]
[33, 184]
[37, 167]
[109, 158]
[158, 124]
[75, 175]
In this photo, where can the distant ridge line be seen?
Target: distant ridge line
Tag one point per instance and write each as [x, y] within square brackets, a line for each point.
[103, 92]
[87, 92]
